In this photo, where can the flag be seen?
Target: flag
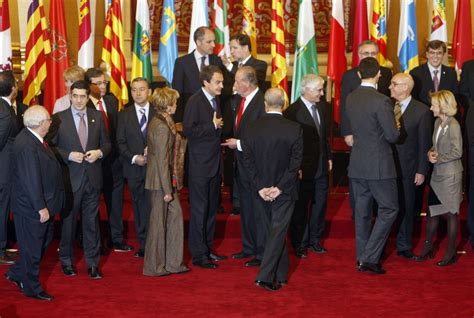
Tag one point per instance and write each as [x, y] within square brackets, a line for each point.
[439, 30]
[378, 30]
[112, 53]
[141, 59]
[58, 60]
[249, 26]
[337, 63]
[85, 55]
[306, 55]
[36, 48]
[462, 37]
[5, 37]
[168, 51]
[277, 48]
[221, 28]
[407, 36]
[360, 31]
[199, 18]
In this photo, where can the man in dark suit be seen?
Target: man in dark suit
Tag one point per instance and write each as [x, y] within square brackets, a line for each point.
[202, 125]
[38, 194]
[307, 224]
[9, 128]
[410, 153]
[111, 165]
[132, 145]
[79, 139]
[187, 68]
[273, 150]
[251, 107]
[371, 166]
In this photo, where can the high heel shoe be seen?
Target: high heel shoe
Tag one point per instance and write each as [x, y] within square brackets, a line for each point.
[447, 262]
[427, 252]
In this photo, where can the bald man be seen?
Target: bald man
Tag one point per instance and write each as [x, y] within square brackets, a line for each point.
[410, 155]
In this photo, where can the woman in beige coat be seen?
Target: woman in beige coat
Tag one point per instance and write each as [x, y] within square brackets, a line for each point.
[164, 243]
[446, 179]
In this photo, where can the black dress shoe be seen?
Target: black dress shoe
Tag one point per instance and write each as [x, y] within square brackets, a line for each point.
[318, 248]
[371, 267]
[446, 262]
[6, 260]
[140, 253]
[94, 273]
[15, 282]
[301, 252]
[407, 254]
[267, 286]
[253, 262]
[215, 257]
[206, 265]
[42, 296]
[69, 270]
[235, 211]
[240, 255]
[122, 247]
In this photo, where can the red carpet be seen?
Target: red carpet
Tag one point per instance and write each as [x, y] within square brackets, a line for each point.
[322, 285]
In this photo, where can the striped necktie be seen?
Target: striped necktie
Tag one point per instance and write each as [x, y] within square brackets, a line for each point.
[143, 124]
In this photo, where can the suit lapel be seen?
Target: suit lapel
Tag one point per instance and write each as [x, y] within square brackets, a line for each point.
[194, 68]
[304, 116]
[69, 122]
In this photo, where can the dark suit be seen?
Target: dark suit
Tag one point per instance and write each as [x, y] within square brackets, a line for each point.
[372, 169]
[186, 79]
[308, 228]
[272, 154]
[131, 142]
[252, 243]
[8, 130]
[84, 180]
[260, 68]
[204, 172]
[37, 184]
[411, 158]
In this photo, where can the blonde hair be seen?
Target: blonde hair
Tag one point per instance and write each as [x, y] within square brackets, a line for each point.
[162, 98]
[447, 102]
[74, 73]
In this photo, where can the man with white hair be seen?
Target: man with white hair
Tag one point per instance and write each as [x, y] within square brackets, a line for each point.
[37, 195]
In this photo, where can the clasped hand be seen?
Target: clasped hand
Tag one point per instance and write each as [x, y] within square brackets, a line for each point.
[269, 194]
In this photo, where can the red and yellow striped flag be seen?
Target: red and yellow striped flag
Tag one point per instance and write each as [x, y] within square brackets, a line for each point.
[279, 70]
[37, 46]
[112, 53]
[249, 25]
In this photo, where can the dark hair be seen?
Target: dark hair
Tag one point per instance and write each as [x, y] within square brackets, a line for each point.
[435, 45]
[92, 73]
[368, 67]
[200, 32]
[250, 74]
[207, 72]
[140, 79]
[82, 84]
[243, 40]
[7, 82]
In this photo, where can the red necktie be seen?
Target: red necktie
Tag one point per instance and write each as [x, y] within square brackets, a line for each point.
[240, 113]
[45, 144]
[104, 114]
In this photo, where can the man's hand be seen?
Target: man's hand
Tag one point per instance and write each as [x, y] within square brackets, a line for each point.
[225, 60]
[330, 165]
[218, 122]
[145, 152]
[432, 156]
[274, 193]
[264, 194]
[92, 155]
[44, 215]
[300, 174]
[231, 143]
[419, 179]
[77, 157]
[168, 198]
[140, 160]
[349, 140]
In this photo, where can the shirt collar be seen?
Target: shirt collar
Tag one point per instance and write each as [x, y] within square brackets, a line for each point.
[36, 135]
[251, 95]
[274, 112]
[198, 55]
[7, 100]
[432, 69]
[246, 59]
[366, 84]
[208, 96]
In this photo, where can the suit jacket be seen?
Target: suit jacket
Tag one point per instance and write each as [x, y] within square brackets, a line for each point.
[351, 81]
[470, 137]
[8, 130]
[414, 141]
[272, 153]
[316, 149]
[160, 156]
[449, 148]
[466, 85]
[372, 121]
[186, 79]
[255, 109]
[204, 140]
[37, 178]
[130, 141]
[259, 66]
[64, 139]
[424, 82]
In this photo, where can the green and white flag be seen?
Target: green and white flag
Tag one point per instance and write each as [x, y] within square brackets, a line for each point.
[141, 60]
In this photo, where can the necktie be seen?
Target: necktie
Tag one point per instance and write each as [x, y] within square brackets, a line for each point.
[240, 113]
[397, 110]
[82, 131]
[216, 107]
[435, 80]
[314, 114]
[203, 62]
[45, 144]
[104, 114]
[143, 122]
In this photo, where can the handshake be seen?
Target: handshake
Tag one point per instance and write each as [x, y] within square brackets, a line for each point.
[269, 194]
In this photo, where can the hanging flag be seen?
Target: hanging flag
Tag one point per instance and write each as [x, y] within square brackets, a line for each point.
[85, 55]
[249, 25]
[462, 36]
[439, 30]
[360, 31]
[141, 59]
[199, 18]
[378, 30]
[112, 53]
[168, 51]
[221, 28]
[58, 60]
[36, 48]
[5, 38]
[337, 63]
[306, 55]
[277, 48]
[407, 37]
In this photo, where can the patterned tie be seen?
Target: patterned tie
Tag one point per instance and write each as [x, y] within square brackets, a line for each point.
[203, 62]
[82, 131]
[104, 114]
[240, 113]
[397, 110]
[435, 80]
[143, 125]
[314, 114]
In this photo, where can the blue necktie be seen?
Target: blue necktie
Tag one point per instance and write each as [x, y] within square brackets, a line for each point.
[143, 122]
